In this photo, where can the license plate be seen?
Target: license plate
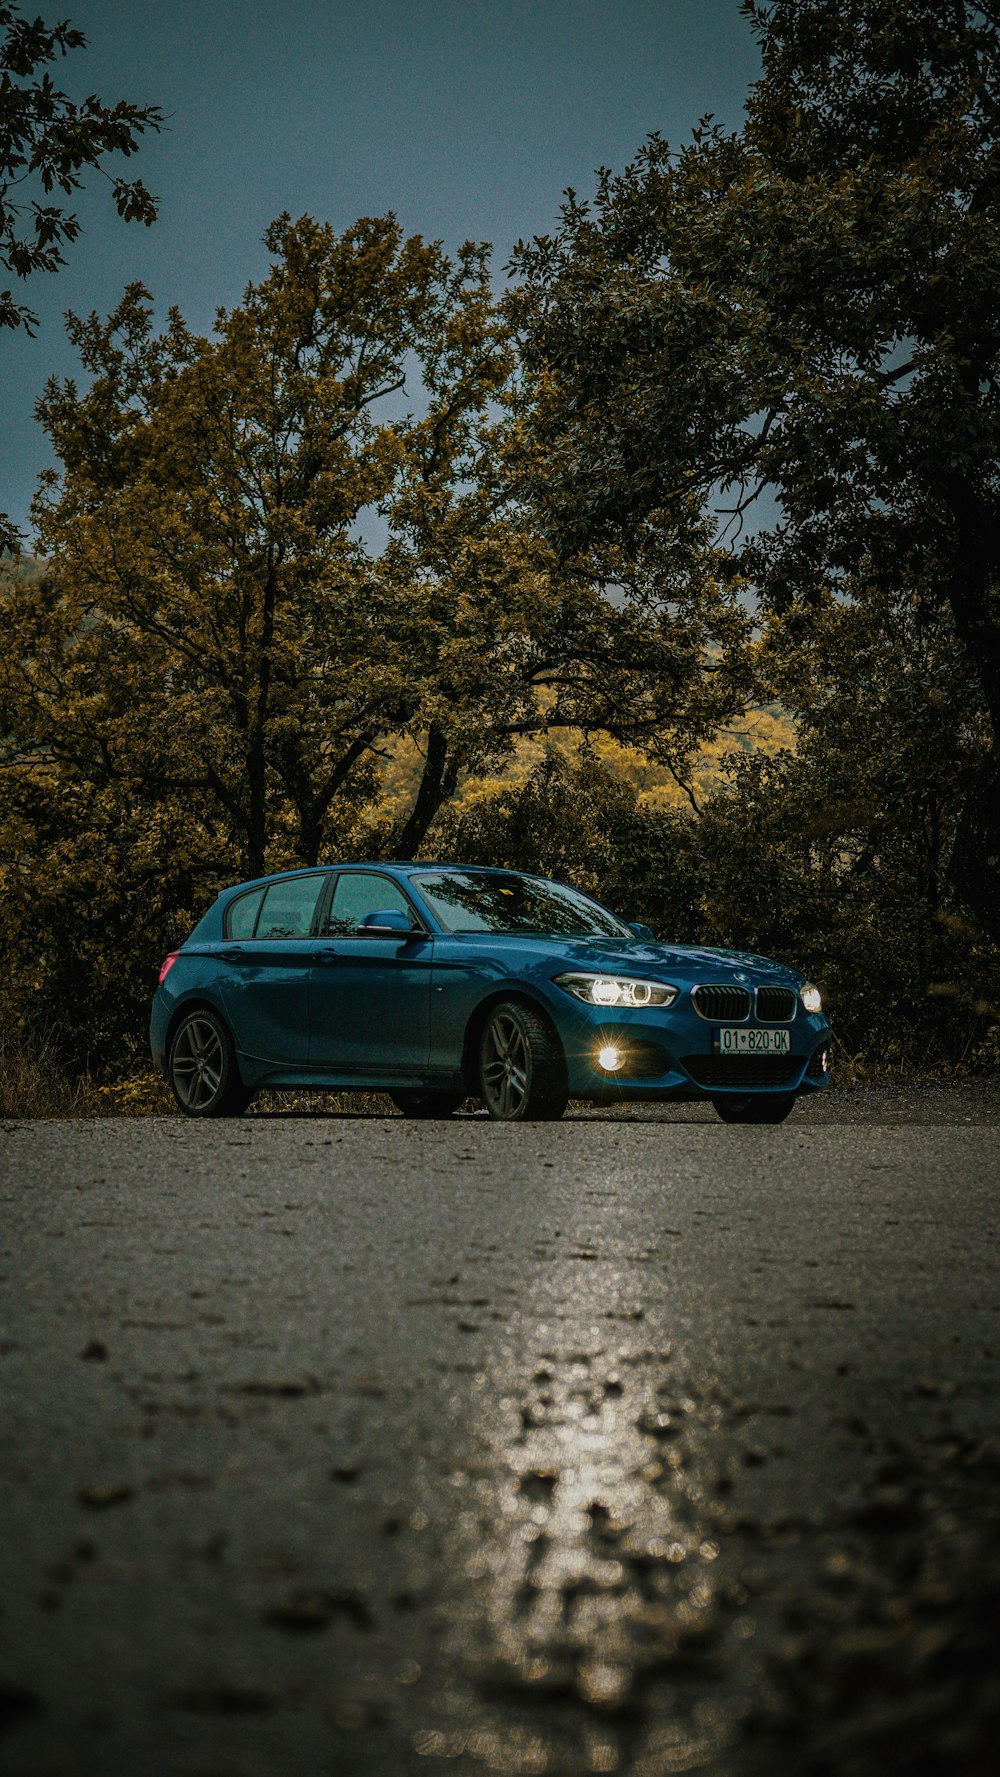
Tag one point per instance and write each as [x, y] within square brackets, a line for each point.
[730, 1041]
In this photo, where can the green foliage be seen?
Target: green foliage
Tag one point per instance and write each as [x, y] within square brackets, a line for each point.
[205, 676]
[201, 678]
[804, 311]
[833, 886]
[96, 887]
[819, 857]
[212, 620]
[210, 624]
[582, 822]
[32, 1083]
[837, 857]
[985, 1057]
[48, 141]
[53, 140]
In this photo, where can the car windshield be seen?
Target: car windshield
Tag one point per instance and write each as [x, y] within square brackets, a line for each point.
[500, 901]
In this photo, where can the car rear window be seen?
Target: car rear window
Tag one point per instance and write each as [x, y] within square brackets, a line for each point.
[241, 916]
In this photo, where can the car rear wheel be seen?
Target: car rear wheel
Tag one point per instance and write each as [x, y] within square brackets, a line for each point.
[202, 1069]
[522, 1071]
[427, 1104]
[769, 1108]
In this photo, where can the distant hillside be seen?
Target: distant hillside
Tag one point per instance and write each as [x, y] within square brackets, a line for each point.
[21, 567]
[764, 730]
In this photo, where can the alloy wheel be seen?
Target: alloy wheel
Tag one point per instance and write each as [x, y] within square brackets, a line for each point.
[197, 1063]
[506, 1066]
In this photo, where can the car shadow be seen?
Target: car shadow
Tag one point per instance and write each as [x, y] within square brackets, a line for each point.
[692, 1114]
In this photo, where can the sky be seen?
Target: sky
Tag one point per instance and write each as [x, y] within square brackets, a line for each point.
[468, 118]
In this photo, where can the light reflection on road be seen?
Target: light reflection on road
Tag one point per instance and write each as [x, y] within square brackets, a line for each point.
[588, 1615]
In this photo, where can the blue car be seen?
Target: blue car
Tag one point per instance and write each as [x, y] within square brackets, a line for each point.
[439, 982]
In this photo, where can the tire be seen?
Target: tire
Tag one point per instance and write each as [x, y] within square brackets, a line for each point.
[522, 1069]
[426, 1105]
[201, 1067]
[773, 1108]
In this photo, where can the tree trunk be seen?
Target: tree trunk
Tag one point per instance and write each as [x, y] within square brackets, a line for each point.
[258, 725]
[437, 785]
[975, 866]
[975, 862]
[312, 804]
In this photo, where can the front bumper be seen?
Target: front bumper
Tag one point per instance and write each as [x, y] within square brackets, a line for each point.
[670, 1053]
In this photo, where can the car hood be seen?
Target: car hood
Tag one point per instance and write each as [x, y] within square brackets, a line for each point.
[683, 964]
[687, 962]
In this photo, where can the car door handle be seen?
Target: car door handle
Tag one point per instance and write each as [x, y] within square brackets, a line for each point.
[329, 955]
[233, 953]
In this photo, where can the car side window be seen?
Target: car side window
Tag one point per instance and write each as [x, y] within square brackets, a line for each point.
[241, 915]
[289, 907]
[356, 895]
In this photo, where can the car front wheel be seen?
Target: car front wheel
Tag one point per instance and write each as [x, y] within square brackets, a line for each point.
[522, 1071]
[773, 1108]
[202, 1068]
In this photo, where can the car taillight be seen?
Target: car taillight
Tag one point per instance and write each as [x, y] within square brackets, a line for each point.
[167, 964]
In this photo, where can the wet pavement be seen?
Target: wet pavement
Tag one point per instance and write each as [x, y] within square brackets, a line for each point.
[635, 1444]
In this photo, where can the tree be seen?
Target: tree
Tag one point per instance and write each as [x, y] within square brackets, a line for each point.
[830, 854]
[835, 856]
[578, 819]
[97, 882]
[803, 313]
[210, 624]
[507, 640]
[46, 136]
[47, 142]
[218, 646]
[213, 622]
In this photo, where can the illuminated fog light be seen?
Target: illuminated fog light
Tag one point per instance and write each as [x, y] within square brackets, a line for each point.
[823, 1061]
[611, 1059]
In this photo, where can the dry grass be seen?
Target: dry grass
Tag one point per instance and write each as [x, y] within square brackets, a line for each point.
[849, 1072]
[31, 1081]
[322, 1104]
[34, 1084]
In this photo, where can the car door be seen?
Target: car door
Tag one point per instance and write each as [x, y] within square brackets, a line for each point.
[369, 997]
[265, 984]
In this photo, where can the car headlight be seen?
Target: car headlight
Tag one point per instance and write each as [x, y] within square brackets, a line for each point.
[811, 997]
[617, 990]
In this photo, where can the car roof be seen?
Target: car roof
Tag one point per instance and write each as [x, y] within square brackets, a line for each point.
[400, 866]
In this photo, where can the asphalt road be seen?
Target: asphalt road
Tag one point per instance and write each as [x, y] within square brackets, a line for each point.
[333, 1445]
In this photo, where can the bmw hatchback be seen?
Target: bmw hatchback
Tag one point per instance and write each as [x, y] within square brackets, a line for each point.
[437, 983]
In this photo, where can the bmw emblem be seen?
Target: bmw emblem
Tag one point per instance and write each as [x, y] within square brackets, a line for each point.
[740, 976]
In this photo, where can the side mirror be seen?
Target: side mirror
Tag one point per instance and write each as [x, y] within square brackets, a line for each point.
[389, 923]
[641, 931]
